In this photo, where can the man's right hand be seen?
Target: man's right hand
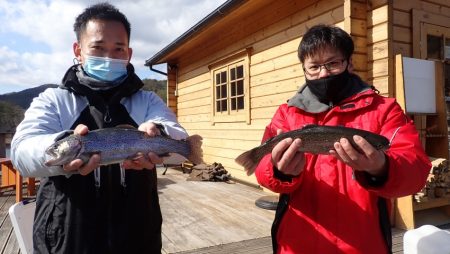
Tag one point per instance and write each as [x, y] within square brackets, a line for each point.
[77, 164]
[287, 158]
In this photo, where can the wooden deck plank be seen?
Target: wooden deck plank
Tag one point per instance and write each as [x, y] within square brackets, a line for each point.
[198, 217]
[12, 245]
[5, 222]
[254, 246]
[201, 214]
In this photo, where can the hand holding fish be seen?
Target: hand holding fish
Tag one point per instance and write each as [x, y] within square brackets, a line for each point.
[135, 148]
[317, 139]
[369, 159]
[78, 164]
[286, 156]
[150, 128]
[151, 159]
[140, 162]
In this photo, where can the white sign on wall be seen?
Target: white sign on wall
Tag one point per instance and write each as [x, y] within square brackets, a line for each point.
[420, 82]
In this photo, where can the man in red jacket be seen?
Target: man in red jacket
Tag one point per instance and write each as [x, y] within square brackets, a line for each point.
[339, 203]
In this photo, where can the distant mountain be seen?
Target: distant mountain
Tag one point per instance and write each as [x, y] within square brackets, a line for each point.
[24, 97]
[13, 105]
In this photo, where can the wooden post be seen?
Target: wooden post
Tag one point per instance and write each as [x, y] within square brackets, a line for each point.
[31, 186]
[19, 195]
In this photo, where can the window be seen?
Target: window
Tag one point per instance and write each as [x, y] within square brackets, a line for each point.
[230, 89]
[437, 47]
[230, 82]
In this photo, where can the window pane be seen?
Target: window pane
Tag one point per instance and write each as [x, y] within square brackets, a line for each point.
[240, 103]
[233, 89]
[217, 78]
[240, 87]
[217, 106]
[223, 77]
[447, 79]
[240, 71]
[232, 74]
[223, 91]
[223, 104]
[233, 104]
[218, 92]
[434, 47]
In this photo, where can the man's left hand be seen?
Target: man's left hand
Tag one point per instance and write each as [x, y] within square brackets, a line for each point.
[149, 160]
[371, 160]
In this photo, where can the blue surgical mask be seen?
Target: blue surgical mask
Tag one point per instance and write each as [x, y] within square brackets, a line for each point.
[104, 68]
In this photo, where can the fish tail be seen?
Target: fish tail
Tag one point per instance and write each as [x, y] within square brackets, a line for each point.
[195, 143]
[249, 160]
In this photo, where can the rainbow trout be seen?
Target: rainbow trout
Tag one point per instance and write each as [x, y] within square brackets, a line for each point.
[118, 144]
[316, 139]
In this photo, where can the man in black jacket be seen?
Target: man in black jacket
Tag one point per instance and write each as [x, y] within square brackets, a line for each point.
[84, 207]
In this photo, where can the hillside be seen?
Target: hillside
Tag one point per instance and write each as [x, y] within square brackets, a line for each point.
[24, 97]
[13, 105]
[10, 116]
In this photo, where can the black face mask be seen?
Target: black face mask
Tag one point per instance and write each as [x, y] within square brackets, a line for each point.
[332, 88]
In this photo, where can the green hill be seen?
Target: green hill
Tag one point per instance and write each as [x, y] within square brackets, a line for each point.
[10, 116]
[24, 97]
[13, 105]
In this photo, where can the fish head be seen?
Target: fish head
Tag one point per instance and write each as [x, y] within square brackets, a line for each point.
[63, 151]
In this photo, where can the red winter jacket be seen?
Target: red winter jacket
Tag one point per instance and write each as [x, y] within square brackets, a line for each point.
[330, 209]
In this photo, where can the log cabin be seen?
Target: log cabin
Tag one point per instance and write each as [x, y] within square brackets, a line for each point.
[229, 72]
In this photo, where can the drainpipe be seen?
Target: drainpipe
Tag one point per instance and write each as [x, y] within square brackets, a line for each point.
[165, 74]
[157, 71]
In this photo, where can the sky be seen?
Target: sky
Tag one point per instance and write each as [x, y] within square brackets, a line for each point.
[36, 36]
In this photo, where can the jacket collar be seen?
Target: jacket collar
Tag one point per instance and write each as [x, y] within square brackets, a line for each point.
[75, 80]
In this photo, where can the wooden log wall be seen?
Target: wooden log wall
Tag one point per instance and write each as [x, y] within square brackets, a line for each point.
[378, 58]
[171, 88]
[403, 29]
[276, 75]
[380, 29]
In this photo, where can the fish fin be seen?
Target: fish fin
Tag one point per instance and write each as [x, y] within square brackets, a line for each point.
[248, 160]
[125, 126]
[195, 143]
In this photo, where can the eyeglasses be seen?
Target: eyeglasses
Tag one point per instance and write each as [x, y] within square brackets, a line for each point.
[333, 67]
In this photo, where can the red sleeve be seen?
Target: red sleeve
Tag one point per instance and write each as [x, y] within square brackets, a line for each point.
[265, 170]
[408, 166]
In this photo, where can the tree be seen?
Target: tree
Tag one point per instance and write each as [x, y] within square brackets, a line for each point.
[157, 86]
[10, 116]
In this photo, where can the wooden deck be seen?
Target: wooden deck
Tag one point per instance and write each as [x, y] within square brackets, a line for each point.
[199, 217]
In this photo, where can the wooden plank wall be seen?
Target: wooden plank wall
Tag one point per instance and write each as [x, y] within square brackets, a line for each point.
[275, 76]
[355, 23]
[171, 89]
[402, 26]
[378, 60]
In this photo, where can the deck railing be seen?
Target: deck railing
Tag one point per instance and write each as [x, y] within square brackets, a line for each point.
[12, 179]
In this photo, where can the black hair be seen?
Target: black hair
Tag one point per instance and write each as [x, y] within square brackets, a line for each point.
[321, 36]
[100, 11]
